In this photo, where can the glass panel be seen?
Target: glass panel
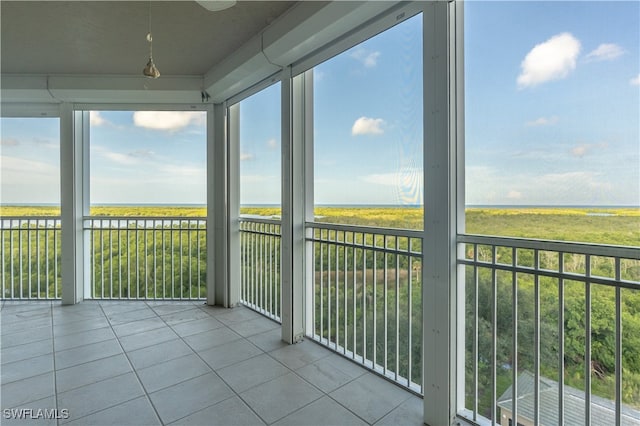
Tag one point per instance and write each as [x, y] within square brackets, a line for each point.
[260, 153]
[30, 248]
[368, 134]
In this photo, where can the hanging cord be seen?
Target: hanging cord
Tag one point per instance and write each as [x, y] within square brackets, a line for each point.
[149, 35]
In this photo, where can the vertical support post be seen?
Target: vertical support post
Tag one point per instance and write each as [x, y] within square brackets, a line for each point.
[216, 196]
[456, 108]
[293, 216]
[440, 286]
[74, 136]
[305, 117]
[231, 291]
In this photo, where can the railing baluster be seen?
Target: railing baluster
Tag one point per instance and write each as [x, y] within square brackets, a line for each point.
[173, 261]
[386, 304]
[353, 297]
[514, 325]
[321, 289]
[345, 292]
[119, 235]
[475, 332]
[364, 298]
[536, 338]
[4, 269]
[11, 238]
[29, 256]
[618, 368]
[56, 253]
[337, 290]
[38, 254]
[190, 257]
[328, 288]
[409, 309]
[375, 302]
[587, 339]
[560, 341]
[494, 333]
[110, 259]
[46, 251]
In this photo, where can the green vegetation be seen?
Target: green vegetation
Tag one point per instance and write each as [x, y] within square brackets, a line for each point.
[169, 260]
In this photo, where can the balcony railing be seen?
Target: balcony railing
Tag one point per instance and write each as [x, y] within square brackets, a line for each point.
[147, 257]
[30, 256]
[367, 297]
[548, 323]
[260, 265]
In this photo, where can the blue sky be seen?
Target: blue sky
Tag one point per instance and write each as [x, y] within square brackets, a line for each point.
[552, 103]
[552, 100]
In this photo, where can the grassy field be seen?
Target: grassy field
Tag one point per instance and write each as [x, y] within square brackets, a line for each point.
[616, 226]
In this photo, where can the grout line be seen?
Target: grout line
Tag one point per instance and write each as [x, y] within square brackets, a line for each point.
[236, 394]
[135, 372]
[55, 370]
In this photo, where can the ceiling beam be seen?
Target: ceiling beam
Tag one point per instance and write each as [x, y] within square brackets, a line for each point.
[302, 30]
[101, 89]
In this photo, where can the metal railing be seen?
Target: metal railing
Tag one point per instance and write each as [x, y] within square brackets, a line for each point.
[260, 287]
[367, 297]
[30, 257]
[545, 327]
[146, 257]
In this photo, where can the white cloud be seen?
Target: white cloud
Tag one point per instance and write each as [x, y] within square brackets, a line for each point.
[368, 58]
[488, 185]
[128, 159]
[552, 60]
[635, 81]
[96, 119]
[543, 121]
[175, 171]
[142, 153]
[167, 120]
[605, 52]
[272, 143]
[514, 195]
[387, 179]
[585, 148]
[119, 158]
[367, 126]
[9, 142]
[244, 156]
[27, 168]
[580, 150]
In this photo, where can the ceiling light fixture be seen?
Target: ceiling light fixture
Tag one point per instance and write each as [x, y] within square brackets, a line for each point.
[150, 70]
[216, 5]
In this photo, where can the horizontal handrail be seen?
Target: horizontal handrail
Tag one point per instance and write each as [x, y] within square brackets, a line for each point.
[144, 218]
[551, 245]
[259, 219]
[30, 218]
[394, 232]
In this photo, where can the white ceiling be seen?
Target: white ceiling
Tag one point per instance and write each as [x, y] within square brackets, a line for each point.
[108, 37]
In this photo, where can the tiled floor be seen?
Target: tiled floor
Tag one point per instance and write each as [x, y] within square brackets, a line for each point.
[152, 363]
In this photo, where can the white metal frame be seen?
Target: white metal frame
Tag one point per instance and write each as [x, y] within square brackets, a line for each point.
[441, 217]
[75, 192]
[74, 132]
